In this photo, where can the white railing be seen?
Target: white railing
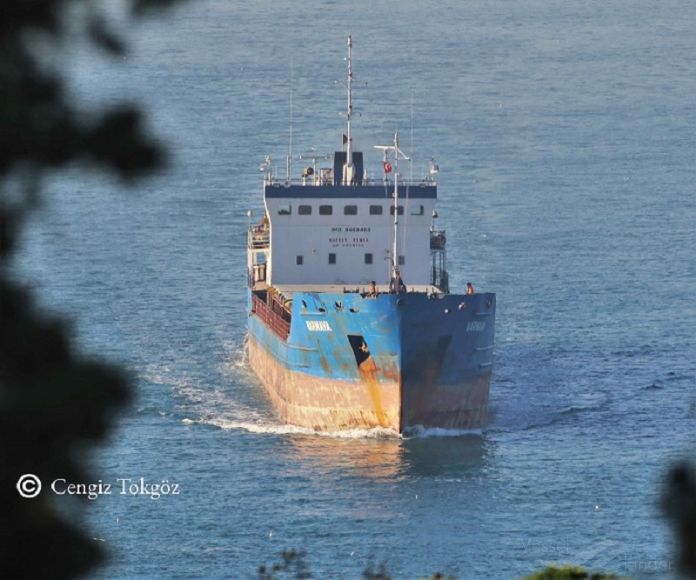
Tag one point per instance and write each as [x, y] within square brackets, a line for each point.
[309, 182]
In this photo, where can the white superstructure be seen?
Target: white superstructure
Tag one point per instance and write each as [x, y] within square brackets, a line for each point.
[347, 240]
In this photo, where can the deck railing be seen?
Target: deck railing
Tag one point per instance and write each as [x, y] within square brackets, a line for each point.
[277, 321]
[259, 238]
[324, 181]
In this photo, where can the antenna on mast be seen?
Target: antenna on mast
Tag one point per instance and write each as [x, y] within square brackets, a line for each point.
[348, 169]
[289, 158]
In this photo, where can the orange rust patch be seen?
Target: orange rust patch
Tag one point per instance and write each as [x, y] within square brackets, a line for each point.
[368, 372]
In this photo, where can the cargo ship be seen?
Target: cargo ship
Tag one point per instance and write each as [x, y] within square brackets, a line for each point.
[351, 322]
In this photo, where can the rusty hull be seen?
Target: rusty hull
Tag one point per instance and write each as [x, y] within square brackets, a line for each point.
[326, 404]
[394, 361]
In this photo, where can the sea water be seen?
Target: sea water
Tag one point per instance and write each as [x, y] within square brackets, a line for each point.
[565, 138]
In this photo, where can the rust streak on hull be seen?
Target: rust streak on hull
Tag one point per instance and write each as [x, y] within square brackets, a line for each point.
[368, 373]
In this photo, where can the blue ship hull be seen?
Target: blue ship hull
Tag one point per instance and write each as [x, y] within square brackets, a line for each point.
[395, 360]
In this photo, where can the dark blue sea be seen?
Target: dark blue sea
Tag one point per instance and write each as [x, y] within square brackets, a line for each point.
[565, 133]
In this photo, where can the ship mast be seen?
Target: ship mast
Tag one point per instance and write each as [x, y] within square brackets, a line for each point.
[395, 256]
[395, 209]
[348, 169]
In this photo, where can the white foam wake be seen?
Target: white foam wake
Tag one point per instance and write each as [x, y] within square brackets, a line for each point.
[237, 359]
[270, 428]
[273, 428]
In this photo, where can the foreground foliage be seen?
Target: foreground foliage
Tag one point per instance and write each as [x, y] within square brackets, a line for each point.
[54, 402]
[569, 572]
[293, 566]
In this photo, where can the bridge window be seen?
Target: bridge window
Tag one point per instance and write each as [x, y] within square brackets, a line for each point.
[402, 260]
[376, 210]
[417, 210]
[299, 260]
[332, 258]
[307, 210]
[368, 258]
[325, 209]
[350, 210]
[401, 210]
[284, 209]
